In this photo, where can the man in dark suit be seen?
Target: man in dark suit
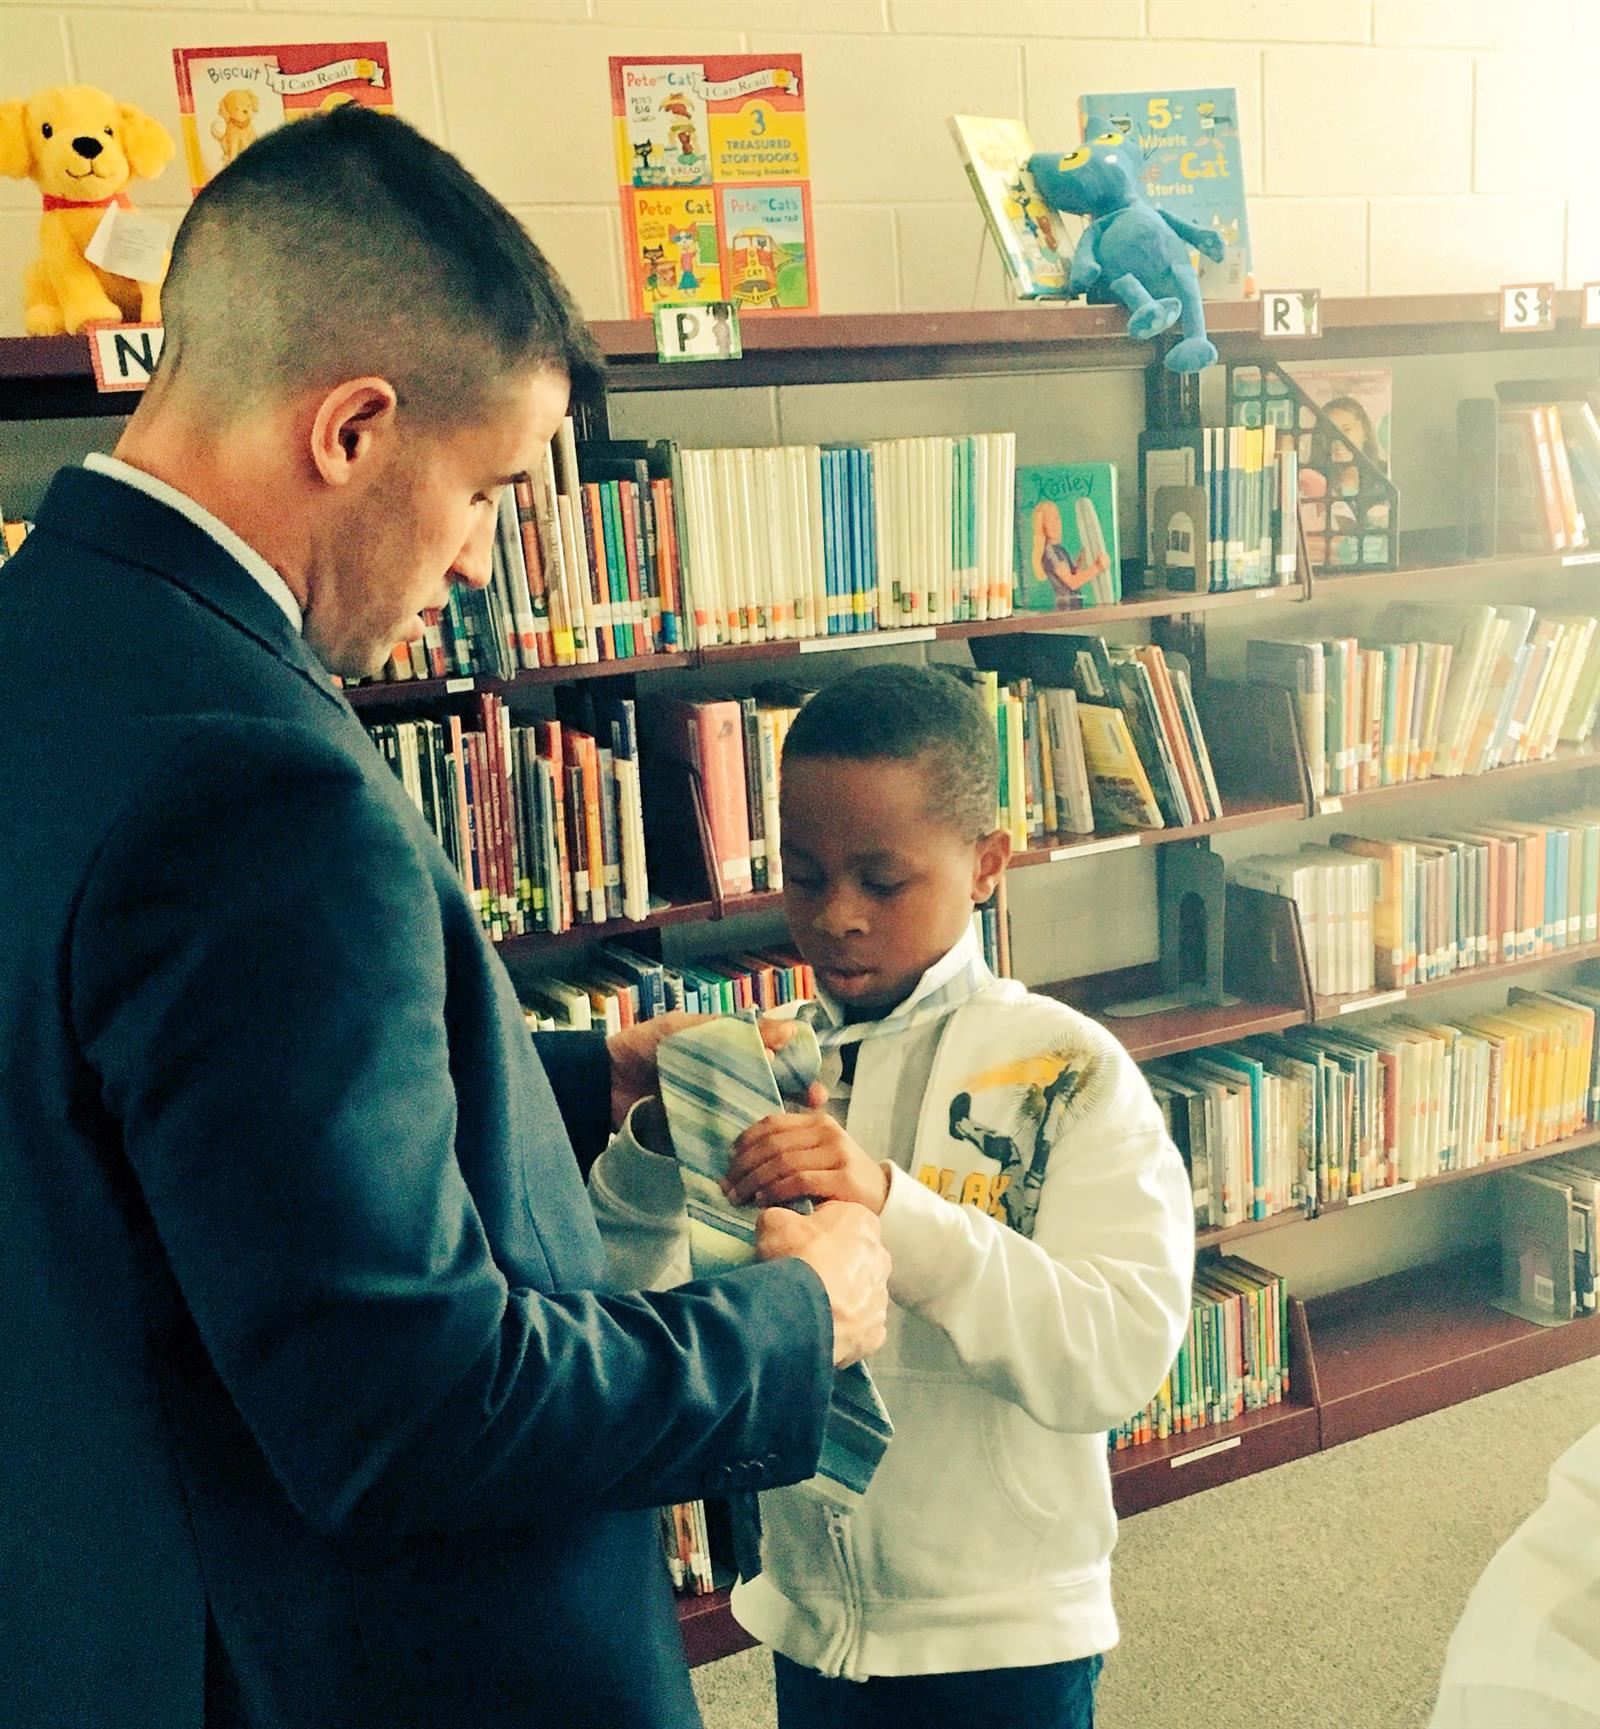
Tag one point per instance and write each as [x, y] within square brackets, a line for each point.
[313, 1412]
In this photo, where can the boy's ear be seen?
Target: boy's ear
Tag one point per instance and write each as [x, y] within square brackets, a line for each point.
[994, 853]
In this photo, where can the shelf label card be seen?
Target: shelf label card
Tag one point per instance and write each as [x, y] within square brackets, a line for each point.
[1112, 843]
[456, 686]
[1208, 1452]
[706, 332]
[867, 639]
[1374, 1002]
[1329, 806]
[1528, 306]
[1291, 312]
[1591, 306]
[124, 355]
[1383, 1194]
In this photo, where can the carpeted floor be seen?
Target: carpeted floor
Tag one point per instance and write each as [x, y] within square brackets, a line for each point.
[1316, 1596]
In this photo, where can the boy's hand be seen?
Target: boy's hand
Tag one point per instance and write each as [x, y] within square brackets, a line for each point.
[842, 1247]
[803, 1153]
[633, 1055]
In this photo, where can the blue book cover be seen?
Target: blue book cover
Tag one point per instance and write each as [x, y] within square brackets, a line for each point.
[1194, 168]
[830, 540]
[851, 468]
[866, 576]
[1068, 553]
[869, 535]
[1254, 1074]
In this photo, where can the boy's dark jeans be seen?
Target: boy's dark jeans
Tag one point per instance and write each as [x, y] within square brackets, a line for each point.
[1052, 1696]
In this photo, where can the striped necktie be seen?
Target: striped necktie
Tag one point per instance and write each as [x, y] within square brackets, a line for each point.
[716, 1081]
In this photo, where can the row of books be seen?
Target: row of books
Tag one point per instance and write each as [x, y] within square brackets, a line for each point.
[587, 566]
[1221, 507]
[686, 1544]
[1234, 1357]
[1385, 914]
[733, 748]
[1137, 749]
[813, 540]
[1548, 492]
[1549, 1253]
[1439, 690]
[545, 822]
[1312, 1116]
[1497, 892]
[618, 987]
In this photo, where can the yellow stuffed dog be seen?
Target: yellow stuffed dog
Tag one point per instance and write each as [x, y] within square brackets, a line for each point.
[80, 148]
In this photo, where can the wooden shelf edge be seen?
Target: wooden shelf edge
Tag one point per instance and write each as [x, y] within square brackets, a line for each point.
[1571, 759]
[1459, 1347]
[677, 913]
[1214, 1236]
[709, 1629]
[1326, 1009]
[1159, 1472]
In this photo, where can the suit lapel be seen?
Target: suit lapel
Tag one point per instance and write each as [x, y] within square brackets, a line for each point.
[121, 523]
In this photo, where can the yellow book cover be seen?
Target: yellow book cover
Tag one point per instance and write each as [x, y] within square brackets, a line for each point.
[1119, 788]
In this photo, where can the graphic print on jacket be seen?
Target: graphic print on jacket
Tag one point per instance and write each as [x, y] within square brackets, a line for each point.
[1013, 1115]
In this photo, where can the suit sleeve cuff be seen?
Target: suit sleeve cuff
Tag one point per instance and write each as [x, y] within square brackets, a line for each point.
[917, 1226]
[647, 1181]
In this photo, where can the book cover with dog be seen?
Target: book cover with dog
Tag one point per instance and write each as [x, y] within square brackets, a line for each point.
[229, 97]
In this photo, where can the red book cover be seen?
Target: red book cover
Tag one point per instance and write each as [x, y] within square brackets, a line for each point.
[709, 736]
[228, 97]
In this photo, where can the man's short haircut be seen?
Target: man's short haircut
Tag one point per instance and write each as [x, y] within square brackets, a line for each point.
[909, 714]
[345, 245]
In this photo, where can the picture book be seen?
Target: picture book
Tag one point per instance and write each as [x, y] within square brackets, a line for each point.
[1024, 228]
[1068, 555]
[713, 172]
[1194, 167]
[228, 97]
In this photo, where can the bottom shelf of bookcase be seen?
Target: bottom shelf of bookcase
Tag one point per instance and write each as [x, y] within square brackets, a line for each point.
[1421, 1340]
[709, 1629]
[1161, 1471]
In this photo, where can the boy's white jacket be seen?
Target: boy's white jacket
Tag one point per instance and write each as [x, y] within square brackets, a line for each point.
[985, 1537]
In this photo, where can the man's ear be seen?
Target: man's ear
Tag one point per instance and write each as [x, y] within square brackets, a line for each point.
[994, 853]
[15, 159]
[147, 143]
[350, 425]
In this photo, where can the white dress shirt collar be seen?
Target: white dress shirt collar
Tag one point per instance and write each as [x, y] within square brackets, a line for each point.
[240, 551]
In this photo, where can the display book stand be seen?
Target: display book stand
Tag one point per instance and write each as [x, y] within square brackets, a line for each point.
[1360, 1358]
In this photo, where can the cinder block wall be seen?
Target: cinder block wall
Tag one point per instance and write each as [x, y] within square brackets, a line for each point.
[1392, 146]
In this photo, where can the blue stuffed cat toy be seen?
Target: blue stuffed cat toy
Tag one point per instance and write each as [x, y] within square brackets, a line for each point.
[1130, 251]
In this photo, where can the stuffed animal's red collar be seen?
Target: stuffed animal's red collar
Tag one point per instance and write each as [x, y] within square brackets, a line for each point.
[120, 199]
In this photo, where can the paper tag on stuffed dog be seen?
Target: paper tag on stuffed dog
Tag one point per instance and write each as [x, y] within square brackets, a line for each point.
[129, 244]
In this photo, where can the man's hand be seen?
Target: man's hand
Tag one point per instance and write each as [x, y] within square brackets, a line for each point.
[841, 1245]
[803, 1153]
[633, 1055]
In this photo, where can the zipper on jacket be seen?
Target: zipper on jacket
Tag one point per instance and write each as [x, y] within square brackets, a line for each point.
[844, 1656]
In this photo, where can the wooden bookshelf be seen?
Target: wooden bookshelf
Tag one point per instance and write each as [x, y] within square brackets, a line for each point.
[1424, 1339]
[1360, 1358]
[1568, 759]
[709, 1629]
[1326, 1009]
[50, 376]
[1160, 1471]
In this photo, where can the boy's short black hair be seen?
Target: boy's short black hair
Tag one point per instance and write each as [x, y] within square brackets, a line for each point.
[908, 714]
[346, 244]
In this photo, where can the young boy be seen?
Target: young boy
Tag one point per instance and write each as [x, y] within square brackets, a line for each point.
[1039, 1222]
